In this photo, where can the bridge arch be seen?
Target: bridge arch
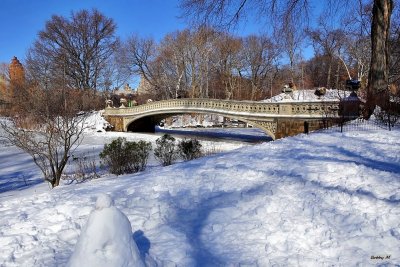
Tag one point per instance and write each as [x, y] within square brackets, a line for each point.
[277, 120]
[147, 122]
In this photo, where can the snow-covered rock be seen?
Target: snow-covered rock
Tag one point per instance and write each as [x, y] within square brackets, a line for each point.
[106, 240]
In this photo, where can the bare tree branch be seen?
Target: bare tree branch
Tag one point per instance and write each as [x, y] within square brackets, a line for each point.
[73, 51]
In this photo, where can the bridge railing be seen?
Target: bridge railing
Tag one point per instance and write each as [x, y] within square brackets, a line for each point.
[316, 108]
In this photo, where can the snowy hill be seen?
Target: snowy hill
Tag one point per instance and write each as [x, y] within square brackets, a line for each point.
[308, 95]
[322, 199]
[95, 122]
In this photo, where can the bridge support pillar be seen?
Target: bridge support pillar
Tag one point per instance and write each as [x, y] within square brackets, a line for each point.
[117, 122]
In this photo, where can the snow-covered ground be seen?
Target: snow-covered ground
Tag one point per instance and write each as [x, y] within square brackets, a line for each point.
[309, 95]
[323, 199]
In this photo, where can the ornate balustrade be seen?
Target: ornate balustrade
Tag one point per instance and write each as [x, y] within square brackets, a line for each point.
[248, 108]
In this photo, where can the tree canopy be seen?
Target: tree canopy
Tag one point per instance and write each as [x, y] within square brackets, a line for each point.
[225, 13]
[73, 51]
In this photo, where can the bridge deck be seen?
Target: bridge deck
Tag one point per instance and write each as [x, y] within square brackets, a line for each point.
[249, 108]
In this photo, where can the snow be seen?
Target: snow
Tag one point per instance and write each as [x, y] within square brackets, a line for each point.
[308, 95]
[106, 240]
[187, 120]
[327, 198]
[104, 201]
[95, 122]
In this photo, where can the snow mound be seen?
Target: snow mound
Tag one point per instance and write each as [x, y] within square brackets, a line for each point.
[103, 201]
[95, 122]
[308, 95]
[106, 240]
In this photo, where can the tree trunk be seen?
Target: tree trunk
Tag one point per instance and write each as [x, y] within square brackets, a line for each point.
[379, 66]
[57, 180]
[328, 78]
[337, 76]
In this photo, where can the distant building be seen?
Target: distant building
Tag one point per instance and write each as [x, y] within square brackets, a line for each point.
[17, 77]
[126, 90]
[144, 88]
[16, 71]
[10, 86]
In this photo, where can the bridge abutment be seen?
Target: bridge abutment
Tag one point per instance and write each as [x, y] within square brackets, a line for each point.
[117, 122]
[292, 127]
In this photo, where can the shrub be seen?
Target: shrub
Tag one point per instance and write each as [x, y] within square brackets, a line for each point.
[138, 154]
[388, 115]
[122, 156]
[113, 156]
[84, 168]
[211, 150]
[189, 149]
[166, 151]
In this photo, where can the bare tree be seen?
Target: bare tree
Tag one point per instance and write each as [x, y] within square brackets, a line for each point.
[357, 26]
[48, 127]
[204, 40]
[378, 77]
[73, 51]
[140, 54]
[116, 70]
[172, 61]
[4, 80]
[394, 70]
[226, 80]
[226, 13]
[290, 36]
[258, 57]
[358, 52]
[329, 43]
[181, 62]
[204, 63]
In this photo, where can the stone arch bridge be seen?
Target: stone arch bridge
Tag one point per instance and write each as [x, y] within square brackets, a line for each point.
[278, 120]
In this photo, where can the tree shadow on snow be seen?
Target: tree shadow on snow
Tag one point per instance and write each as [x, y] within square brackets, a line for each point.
[354, 157]
[356, 192]
[338, 188]
[17, 181]
[191, 216]
[17, 171]
[328, 153]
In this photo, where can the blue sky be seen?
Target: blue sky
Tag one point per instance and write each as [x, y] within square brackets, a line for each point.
[21, 20]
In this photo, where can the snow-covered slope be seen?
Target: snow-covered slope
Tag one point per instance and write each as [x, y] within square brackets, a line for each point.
[322, 199]
[95, 122]
[308, 95]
